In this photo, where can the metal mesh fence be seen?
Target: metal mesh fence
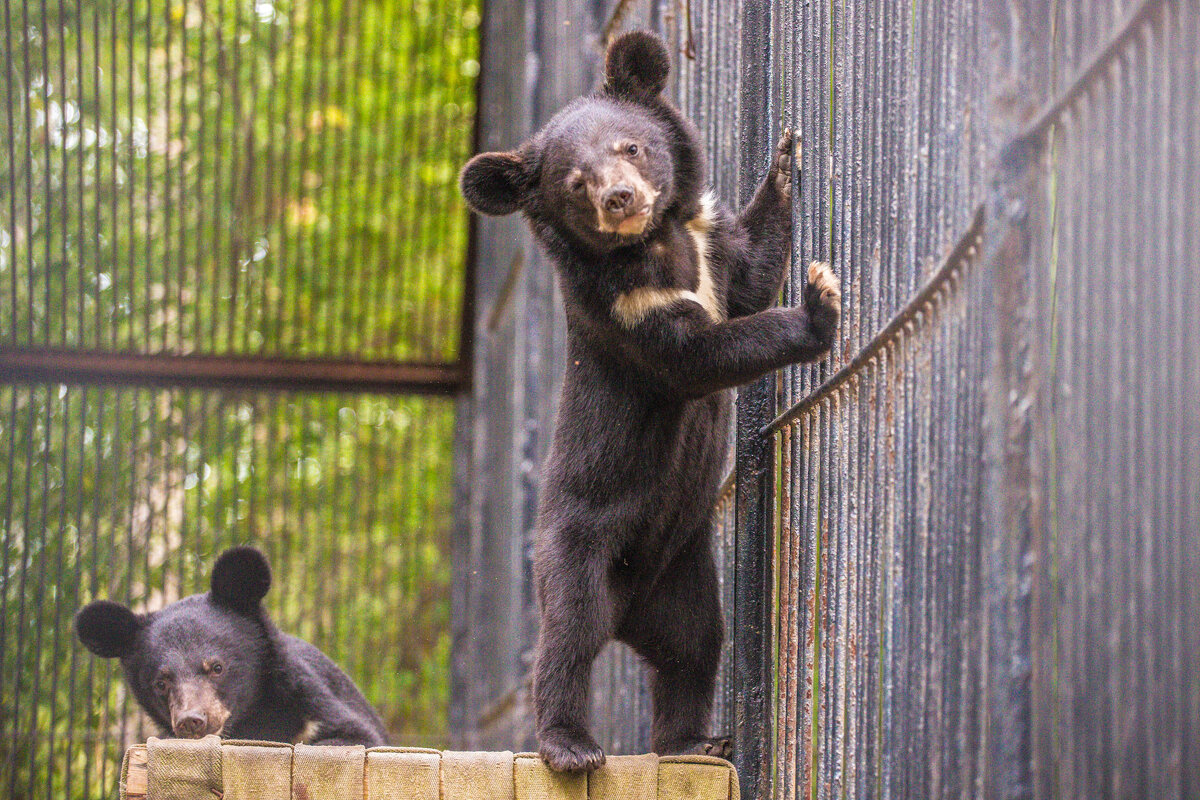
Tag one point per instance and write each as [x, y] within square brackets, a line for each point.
[985, 514]
[1115, 693]
[957, 561]
[879, 652]
[208, 208]
[211, 176]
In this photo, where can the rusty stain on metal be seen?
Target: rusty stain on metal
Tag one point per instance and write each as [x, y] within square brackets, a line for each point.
[900, 324]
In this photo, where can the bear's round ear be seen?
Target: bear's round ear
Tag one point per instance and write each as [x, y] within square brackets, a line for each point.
[240, 578]
[494, 183]
[106, 628]
[636, 65]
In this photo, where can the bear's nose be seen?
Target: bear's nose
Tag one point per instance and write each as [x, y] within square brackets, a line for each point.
[618, 198]
[191, 725]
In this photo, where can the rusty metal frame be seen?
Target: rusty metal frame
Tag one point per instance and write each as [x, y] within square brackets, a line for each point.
[754, 467]
[252, 373]
[1090, 73]
[963, 250]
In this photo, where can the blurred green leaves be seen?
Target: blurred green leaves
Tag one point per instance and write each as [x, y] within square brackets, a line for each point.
[236, 175]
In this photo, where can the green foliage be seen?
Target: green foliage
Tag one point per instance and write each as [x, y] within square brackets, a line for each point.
[236, 175]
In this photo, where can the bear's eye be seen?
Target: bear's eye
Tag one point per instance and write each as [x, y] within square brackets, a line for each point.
[632, 150]
[217, 668]
[578, 185]
[160, 686]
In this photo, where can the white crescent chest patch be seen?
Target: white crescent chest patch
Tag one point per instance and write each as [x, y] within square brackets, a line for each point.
[308, 733]
[631, 307]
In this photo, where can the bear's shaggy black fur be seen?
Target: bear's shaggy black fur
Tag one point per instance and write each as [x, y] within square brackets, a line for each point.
[667, 300]
[215, 663]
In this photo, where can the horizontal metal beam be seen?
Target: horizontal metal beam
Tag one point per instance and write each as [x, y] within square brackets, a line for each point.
[234, 372]
[1091, 73]
[965, 248]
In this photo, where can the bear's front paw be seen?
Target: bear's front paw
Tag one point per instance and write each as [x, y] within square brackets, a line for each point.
[781, 169]
[567, 751]
[823, 299]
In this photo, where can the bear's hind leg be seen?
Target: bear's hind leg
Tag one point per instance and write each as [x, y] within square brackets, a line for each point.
[576, 622]
[678, 630]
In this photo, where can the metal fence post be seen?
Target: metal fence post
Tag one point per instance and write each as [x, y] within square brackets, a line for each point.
[755, 408]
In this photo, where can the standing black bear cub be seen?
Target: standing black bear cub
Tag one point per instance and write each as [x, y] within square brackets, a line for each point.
[666, 297]
[215, 663]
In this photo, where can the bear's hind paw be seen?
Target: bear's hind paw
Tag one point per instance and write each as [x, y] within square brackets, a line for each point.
[566, 752]
[715, 746]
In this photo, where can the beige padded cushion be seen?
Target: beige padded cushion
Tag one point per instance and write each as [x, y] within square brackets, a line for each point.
[212, 769]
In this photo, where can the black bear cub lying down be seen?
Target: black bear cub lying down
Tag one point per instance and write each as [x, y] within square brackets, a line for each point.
[215, 663]
[668, 301]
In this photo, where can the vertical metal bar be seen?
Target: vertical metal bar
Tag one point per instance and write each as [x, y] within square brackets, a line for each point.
[823, 676]
[807, 634]
[323, 330]
[8, 520]
[153, 267]
[47, 215]
[94, 572]
[129, 220]
[26, 88]
[130, 446]
[149, 435]
[787, 670]
[227, 248]
[10, 244]
[247, 290]
[276, 233]
[75, 725]
[755, 407]
[851, 590]
[172, 239]
[1010, 564]
[279, 190]
[36, 598]
[22, 591]
[1182, 103]
[60, 589]
[465, 352]
[64, 187]
[97, 121]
